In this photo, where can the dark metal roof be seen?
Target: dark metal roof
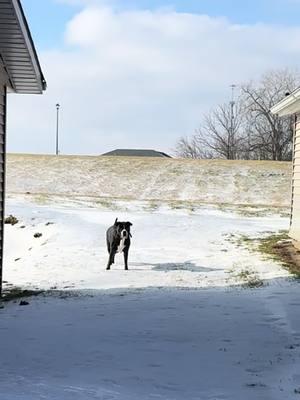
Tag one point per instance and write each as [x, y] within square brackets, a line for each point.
[136, 153]
[17, 51]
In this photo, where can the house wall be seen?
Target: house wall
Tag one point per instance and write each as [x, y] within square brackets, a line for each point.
[3, 91]
[295, 221]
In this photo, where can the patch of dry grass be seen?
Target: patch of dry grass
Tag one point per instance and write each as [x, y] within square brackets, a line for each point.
[246, 277]
[16, 293]
[276, 246]
[11, 220]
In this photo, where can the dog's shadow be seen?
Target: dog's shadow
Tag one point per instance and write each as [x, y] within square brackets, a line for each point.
[168, 267]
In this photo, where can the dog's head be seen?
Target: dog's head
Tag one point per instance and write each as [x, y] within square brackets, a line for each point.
[123, 229]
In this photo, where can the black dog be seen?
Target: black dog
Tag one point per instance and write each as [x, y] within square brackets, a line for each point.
[118, 241]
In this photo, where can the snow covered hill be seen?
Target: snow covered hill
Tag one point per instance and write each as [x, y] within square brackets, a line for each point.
[203, 181]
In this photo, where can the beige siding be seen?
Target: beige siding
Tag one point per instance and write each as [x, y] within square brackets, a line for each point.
[2, 165]
[295, 222]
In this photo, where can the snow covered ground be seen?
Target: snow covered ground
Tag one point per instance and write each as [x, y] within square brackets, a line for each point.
[173, 327]
[171, 248]
[213, 344]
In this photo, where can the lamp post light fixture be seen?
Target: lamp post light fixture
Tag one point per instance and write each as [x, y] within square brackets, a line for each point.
[57, 127]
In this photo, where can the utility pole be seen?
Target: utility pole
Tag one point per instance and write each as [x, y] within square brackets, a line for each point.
[232, 104]
[57, 127]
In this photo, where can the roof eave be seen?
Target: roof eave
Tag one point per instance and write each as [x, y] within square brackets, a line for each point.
[29, 43]
[288, 106]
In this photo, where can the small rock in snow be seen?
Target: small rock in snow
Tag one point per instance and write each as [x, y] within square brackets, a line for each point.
[24, 303]
[38, 235]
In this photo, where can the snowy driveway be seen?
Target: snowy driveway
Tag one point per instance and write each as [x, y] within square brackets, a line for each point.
[154, 344]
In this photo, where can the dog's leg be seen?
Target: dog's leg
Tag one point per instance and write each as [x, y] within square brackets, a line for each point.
[126, 259]
[111, 260]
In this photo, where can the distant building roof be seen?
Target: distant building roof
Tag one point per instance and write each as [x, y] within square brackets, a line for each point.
[136, 153]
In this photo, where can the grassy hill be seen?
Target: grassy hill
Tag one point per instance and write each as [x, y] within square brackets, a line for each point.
[204, 181]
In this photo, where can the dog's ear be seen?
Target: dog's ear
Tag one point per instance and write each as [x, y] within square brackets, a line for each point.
[116, 221]
[128, 223]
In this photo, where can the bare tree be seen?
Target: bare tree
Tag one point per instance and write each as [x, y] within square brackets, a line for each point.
[220, 135]
[249, 130]
[191, 148]
[268, 136]
[222, 131]
[187, 148]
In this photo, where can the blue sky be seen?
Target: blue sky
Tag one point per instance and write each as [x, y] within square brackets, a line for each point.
[48, 17]
[141, 74]
[47, 20]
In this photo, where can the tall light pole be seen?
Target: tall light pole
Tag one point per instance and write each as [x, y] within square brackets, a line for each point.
[232, 104]
[57, 127]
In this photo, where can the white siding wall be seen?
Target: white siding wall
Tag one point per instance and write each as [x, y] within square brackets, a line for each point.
[295, 225]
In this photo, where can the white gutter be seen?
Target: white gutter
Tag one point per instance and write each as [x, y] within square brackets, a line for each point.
[288, 106]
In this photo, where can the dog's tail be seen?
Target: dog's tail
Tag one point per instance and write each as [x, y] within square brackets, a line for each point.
[116, 221]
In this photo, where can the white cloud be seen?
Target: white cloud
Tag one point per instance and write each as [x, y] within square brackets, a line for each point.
[142, 78]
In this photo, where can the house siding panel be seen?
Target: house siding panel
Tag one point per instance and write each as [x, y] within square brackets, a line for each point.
[297, 168]
[2, 168]
[295, 219]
